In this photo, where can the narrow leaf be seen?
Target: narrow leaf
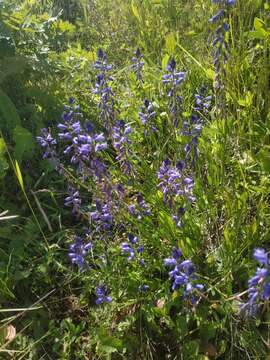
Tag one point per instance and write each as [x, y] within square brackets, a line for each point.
[19, 175]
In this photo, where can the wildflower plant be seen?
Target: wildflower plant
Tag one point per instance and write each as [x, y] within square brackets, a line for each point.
[221, 46]
[78, 251]
[258, 285]
[103, 89]
[86, 161]
[183, 276]
[192, 127]
[138, 64]
[116, 176]
[147, 117]
[172, 80]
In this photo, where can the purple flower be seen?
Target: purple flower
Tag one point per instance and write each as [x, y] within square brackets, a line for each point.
[143, 288]
[147, 113]
[261, 256]
[177, 218]
[174, 184]
[183, 275]
[102, 295]
[224, 2]
[83, 145]
[103, 90]
[78, 250]
[101, 62]
[127, 249]
[140, 208]
[121, 143]
[73, 200]
[103, 217]
[47, 142]
[130, 250]
[142, 262]
[258, 285]
[170, 262]
[137, 64]
[132, 238]
[173, 80]
[217, 16]
[176, 253]
[193, 126]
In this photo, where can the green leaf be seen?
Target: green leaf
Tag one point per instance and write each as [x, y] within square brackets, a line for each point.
[106, 349]
[258, 23]
[208, 331]
[247, 101]
[264, 158]
[210, 74]
[19, 174]
[260, 31]
[3, 162]
[258, 34]
[108, 344]
[135, 11]
[9, 117]
[3, 334]
[3, 166]
[5, 291]
[170, 43]
[11, 65]
[2, 146]
[191, 349]
[165, 61]
[24, 142]
[182, 325]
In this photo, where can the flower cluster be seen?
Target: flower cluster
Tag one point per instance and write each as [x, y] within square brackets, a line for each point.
[77, 252]
[104, 91]
[147, 115]
[137, 64]
[202, 102]
[121, 142]
[73, 200]
[102, 295]
[143, 288]
[172, 80]
[83, 152]
[183, 275]
[140, 208]
[83, 145]
[130, 250]
[193, 128]
[174, 183]
[47, 142]
[177, 217]
[102, 216]
[221, 12]
[220, 43]
[101, 62]
[259, 284]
